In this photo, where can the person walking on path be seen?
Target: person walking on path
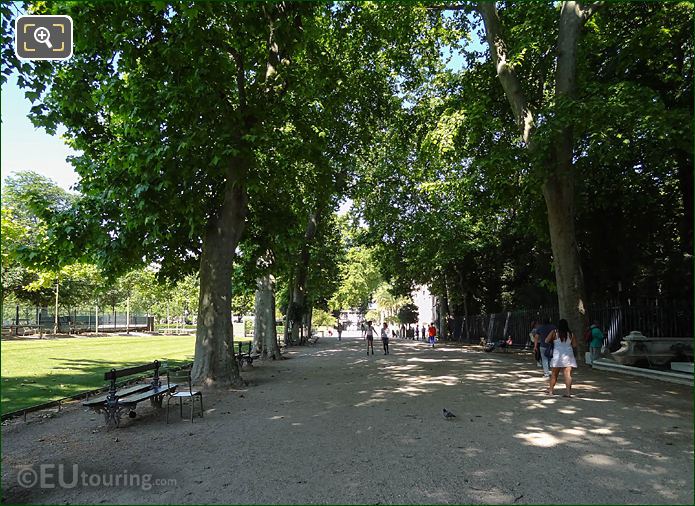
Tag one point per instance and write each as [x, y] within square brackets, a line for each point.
[531, 334]
[339, 328]
[385, 338]
[369, 335]
[540, 344]
[563, 341]
[596, 342]
[432, 332]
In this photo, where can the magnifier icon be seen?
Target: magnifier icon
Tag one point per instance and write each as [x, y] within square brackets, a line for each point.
[43, 36]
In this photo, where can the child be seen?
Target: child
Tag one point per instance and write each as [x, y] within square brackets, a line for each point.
[369, 334]
[385, 338]
[432, 331]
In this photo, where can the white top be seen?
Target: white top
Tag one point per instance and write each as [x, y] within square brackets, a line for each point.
[563, 356]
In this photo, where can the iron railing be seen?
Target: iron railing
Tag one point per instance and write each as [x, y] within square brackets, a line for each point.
[653, 318]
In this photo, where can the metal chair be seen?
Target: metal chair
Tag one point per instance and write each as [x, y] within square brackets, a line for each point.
[184, 389]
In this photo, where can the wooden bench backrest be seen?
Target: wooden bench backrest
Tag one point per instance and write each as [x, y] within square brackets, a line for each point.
[113, 373]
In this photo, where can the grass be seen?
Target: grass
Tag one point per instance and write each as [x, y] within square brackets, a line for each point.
[37, 371]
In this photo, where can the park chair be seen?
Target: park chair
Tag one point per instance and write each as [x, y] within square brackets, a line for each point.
[182, 378]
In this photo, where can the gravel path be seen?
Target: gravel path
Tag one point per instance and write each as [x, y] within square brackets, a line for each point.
[333, 425]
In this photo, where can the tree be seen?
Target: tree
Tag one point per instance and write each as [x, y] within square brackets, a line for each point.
[359, 278]
[141, 149]
[557, 155]
[408, 314]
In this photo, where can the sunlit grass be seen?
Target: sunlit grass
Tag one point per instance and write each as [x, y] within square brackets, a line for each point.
[38, 371]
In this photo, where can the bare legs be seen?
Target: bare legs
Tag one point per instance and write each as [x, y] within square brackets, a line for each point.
[566, 374]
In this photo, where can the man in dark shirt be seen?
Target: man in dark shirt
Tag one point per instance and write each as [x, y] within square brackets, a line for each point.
[539, 341]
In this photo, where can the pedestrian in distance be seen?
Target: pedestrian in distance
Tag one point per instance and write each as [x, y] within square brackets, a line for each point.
[563, 341]
[534, 327]
[339, 328]
[432, 332]
[423, 332]
[540, 344]
[596, 342]
[369, 336]
[385, 338]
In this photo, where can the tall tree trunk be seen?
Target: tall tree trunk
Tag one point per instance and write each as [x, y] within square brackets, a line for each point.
[214, 347]
[558, 187]
[259, 310]
[299, 293]
[559, 197]
[264, 334]
[443, 318]
[288, 311]
[308, 318]
[467, 326]
[685, 183]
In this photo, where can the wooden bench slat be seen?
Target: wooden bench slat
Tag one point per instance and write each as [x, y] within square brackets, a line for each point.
[112, 375]
[148, 394]
[120, 393]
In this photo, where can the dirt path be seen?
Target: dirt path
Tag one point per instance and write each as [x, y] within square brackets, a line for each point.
[333, 425]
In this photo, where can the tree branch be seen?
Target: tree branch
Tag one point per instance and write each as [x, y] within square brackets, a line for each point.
[448, 7]
[240, 77]
[510, 83]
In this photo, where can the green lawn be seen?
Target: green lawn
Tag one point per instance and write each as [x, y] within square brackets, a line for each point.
[38, 371]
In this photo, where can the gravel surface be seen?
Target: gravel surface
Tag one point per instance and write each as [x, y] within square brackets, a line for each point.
[333, 425]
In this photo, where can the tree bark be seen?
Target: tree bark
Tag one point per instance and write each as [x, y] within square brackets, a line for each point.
[259, 310]
[308, 318]
[264, 334]
[465, 317]
[286, 332]
[443, 318]
[559, 198]
[299, 293]
[214, 347]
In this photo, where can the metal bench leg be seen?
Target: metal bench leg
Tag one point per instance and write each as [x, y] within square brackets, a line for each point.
[201, 405]
[168, 399]
[112, 415]
[181, 407]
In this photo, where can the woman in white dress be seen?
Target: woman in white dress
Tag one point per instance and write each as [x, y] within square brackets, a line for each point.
[563, 341]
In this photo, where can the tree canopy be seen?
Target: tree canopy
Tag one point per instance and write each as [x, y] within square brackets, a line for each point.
[506, 155]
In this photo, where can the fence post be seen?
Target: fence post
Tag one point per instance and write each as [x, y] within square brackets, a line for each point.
[56, 325]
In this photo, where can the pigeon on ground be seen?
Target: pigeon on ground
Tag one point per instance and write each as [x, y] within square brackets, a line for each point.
[448, 414]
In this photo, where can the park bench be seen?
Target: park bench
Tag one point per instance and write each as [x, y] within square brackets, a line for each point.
[247, 357]
[314, 338]
[116, 401]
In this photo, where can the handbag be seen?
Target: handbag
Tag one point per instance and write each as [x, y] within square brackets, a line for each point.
[548, 351]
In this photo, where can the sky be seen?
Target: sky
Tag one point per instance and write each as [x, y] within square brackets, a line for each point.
[24, 147]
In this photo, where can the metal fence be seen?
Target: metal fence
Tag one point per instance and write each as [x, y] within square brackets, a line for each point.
[23, 320]
[653, 318]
